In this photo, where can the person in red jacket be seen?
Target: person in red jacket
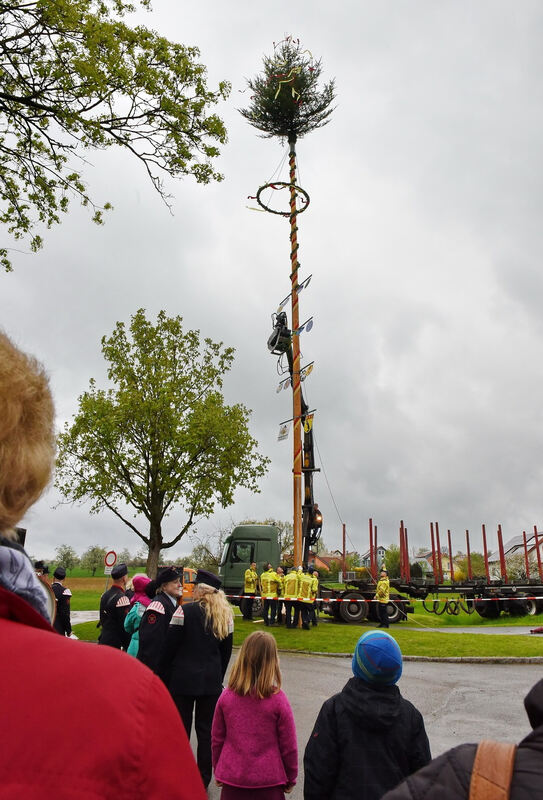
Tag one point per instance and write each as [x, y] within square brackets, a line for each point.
[98, 696]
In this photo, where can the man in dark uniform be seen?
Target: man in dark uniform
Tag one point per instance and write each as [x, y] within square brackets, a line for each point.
[157, 616]
[114, 605]
[62, 594]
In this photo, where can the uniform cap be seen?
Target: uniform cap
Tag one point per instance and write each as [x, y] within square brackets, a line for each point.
[377, 659]
[59, 573]
[166, 575]
[203, 576]
[118, 571]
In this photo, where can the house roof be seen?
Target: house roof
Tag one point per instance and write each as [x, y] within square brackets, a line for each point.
[512, 545]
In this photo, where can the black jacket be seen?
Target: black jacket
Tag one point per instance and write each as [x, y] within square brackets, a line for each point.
[62, 622]
[448, 776]
[194, 660]
[365, 741]
[114, 605]
[153, 628]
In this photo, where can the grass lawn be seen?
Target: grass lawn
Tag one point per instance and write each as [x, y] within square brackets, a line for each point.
[331, 637]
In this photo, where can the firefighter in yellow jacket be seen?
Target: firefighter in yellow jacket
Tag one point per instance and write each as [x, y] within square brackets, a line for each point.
[269, 588]
[290, 595]
[382, 595]
[314, 593]
[305, 601]
[249, 590]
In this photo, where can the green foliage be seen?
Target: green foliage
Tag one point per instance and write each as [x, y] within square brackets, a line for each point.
[286, 100]
[392, 560]
[93, 558]
[75, 78]
[163, 437]
[66, 557]
[461, 566]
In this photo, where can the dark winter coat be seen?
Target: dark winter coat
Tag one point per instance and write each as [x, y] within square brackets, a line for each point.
[193, 660]
[448, 776]
[365, 741]
[114, 605]
[153, 628]
[62, 622]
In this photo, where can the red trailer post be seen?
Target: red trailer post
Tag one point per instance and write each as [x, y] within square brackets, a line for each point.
[503, 566]
[468, 551]
[434, 567]
[451, 568]
[375, 550]
[526, 559]
[403, 572]
[407, 565]
[439, 562]
[485, 551]
[538, 553]
[372, 554]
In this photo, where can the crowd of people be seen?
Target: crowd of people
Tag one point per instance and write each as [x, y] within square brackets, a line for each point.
[286, 597]
[120, 724]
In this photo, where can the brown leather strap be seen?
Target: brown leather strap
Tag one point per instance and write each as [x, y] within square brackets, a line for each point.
[492, 771]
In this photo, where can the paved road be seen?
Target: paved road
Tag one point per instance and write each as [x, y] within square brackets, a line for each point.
[459, 702]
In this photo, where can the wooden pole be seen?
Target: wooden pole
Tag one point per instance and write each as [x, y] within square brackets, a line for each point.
[296, 387]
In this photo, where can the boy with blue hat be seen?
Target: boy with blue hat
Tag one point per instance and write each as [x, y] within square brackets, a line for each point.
[367, 738]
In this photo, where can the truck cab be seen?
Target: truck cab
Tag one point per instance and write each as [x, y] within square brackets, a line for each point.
[247, 543]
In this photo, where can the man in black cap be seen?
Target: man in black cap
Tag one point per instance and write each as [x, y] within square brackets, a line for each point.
[114, 605]
[156, 619]
[62, 594]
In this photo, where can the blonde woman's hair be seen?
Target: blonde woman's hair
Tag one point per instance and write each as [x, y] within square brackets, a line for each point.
[256, 671]
[27, 438]
[217, 609]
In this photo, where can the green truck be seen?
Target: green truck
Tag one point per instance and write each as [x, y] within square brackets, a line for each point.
[247, 543]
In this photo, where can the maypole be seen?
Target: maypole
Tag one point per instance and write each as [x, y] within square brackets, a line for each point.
[287, 103]
[296, 383]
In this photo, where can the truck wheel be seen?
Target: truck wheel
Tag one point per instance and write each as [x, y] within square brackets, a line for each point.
[258, 607]
[353, 611]
[395, 612]
[518, 607]
[488, 609]
[533, 606]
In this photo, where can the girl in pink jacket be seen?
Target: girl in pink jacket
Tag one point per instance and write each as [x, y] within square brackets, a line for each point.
[253, 737]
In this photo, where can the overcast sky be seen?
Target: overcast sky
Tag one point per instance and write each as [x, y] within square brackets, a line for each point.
[424, 239]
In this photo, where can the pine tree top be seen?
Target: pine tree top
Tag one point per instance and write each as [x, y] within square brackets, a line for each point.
[286, 100]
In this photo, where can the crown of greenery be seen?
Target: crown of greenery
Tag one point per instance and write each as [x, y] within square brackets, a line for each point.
[286, 100]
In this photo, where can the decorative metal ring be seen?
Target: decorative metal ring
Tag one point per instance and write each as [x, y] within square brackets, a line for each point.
[282, 185]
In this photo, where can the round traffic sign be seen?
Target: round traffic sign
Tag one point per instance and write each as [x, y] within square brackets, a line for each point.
[110, 558]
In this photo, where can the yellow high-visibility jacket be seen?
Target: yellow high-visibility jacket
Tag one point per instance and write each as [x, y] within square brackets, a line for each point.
[304, 589]
[290, 586]
[382, 592]
[251, 580]
[314, 587]
[280, 585]
[269, 584]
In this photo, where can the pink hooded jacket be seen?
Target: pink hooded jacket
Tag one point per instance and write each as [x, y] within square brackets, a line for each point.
[254, 741]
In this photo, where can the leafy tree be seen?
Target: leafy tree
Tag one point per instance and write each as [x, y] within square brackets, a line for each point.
[66, 557]
[461, 566]
[285, 99]
[163, 437]
[352, 560]
[76, 78]
[392, 561]
[124, 557]
[93, 558]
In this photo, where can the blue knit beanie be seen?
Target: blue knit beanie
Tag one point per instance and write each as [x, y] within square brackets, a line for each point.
[377, 659]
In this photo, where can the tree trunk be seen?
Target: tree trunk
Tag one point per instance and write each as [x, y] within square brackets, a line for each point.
[155, 545]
